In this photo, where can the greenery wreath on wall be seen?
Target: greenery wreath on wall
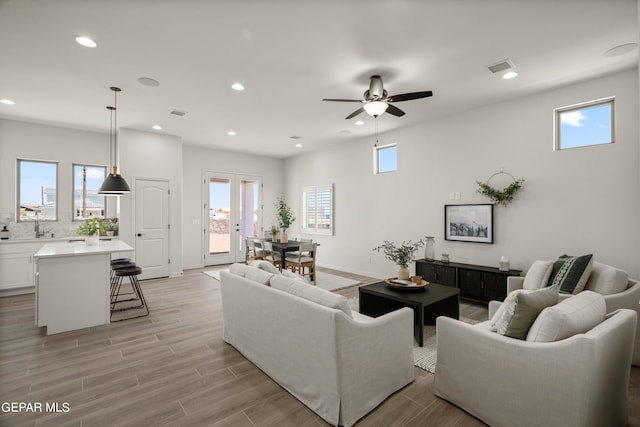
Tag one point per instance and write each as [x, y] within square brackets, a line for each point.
[504, 196]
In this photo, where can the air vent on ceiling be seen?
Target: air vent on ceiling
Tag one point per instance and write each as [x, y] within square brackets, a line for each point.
[178, 113]
[501, 66]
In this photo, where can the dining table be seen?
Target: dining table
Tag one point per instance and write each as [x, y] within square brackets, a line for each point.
[283, 247]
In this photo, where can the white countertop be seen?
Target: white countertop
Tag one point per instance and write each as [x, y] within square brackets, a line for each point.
[34, 240]
[66, 248]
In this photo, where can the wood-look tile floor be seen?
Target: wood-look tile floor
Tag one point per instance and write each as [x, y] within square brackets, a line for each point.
[172, 368]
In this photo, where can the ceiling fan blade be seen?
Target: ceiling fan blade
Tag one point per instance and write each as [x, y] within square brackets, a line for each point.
[394, 111]
[342, 100]
[409, 96]
[355, 113]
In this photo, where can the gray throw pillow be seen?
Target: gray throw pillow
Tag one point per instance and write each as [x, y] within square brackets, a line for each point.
[520, 309]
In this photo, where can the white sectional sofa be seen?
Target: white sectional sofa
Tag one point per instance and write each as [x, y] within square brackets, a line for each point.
[339, 363]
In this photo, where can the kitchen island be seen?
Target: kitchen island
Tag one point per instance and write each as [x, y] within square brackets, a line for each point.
[72, 284]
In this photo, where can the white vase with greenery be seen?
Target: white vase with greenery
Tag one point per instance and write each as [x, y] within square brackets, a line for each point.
[285, 218]
[91, 229]
[402, 255]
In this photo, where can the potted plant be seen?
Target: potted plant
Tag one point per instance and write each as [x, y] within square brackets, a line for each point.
[274, 233]
[110, 227]
[402, 255]
[285, 218]
[92, 229]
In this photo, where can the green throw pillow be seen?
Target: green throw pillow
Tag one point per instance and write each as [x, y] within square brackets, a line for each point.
[570, 273]
[520, 309]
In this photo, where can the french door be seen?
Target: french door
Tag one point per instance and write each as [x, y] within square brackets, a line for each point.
[232, 212]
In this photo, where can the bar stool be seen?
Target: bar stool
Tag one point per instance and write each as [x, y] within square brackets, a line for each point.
[119, 264]
[132, 273]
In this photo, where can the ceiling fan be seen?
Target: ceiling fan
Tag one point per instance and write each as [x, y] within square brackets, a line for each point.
[376, 101]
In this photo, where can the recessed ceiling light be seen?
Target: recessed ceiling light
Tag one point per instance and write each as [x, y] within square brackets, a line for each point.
[231, 133]
[85, 41]
[510, 75]
[237, 86]
[7, 102]
[359, 123]
[148, 81]
[298, 145]
[157, 127]
[621, 49]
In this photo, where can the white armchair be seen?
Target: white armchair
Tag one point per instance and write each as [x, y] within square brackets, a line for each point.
[578, 381]
[628, 298]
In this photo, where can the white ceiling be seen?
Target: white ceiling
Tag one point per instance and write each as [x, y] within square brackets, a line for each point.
[290, 54]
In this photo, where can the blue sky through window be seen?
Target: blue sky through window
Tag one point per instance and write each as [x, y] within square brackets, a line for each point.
[388, 159]
[34, 176]
[586, 126]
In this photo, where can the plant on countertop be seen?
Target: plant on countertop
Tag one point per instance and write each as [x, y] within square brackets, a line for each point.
[284, 214]
[90, 227]
[501, 197]
[110, 226]
[403, 254]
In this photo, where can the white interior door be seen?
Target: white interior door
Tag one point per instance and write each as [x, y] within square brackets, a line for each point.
[152, 227]
[232, 212]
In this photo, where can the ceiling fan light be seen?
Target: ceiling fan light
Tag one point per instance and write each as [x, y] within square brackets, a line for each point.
[375, 108]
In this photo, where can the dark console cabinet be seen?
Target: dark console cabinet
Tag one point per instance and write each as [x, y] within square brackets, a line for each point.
[476, 282]
[436, 273]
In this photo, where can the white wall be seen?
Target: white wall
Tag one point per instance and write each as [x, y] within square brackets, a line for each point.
[196, 160]
[30, 141]
[149, 155]
[575, 201]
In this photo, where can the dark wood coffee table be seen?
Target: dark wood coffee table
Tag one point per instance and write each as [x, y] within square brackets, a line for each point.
[427, 303]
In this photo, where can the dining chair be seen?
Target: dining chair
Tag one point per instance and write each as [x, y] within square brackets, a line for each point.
[270, 255]
[303, 260]
[251, 250]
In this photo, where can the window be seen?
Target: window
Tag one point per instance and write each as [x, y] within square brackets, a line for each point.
[317, 212]
[584, 125]
[37, 190]
[385, 158]
[87, 202]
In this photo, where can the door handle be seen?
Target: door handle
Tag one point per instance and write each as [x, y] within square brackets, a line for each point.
[140, 234]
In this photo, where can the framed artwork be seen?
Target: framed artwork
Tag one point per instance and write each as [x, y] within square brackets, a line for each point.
[469, 223]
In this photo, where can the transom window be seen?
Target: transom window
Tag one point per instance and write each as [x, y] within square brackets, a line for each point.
[317, 212]
[385, 158]
[37, 190]
[87, 180]
[583, 125]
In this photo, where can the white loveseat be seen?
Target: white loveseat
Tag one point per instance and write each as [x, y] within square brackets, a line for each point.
[580, 380]
[618, 289]
[341, 364]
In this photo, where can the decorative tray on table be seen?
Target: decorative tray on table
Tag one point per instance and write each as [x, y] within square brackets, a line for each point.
[394, 282]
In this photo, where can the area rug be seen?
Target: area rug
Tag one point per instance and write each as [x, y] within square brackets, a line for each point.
[424, 357]
[327, 281]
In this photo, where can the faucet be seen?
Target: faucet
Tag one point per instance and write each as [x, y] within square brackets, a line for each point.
[36, 228]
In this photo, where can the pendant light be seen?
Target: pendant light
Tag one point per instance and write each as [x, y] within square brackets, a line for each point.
[114, 184]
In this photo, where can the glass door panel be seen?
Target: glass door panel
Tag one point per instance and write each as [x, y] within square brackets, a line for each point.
[232, 213]
[219, 216]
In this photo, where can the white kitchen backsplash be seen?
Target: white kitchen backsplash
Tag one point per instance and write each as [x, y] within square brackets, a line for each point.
[26, 230]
